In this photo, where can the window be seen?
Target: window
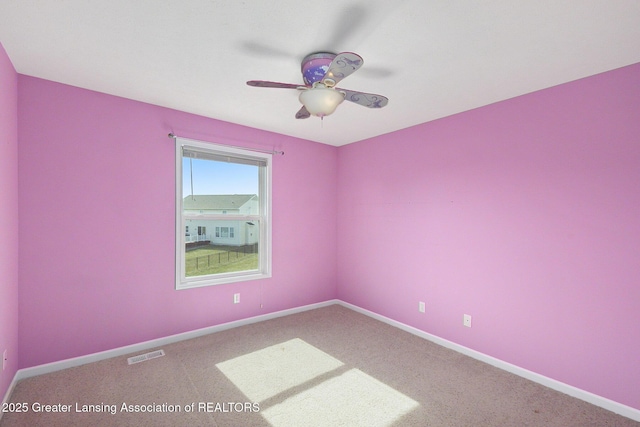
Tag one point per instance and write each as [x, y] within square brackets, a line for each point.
[225, 232]
[225, 194]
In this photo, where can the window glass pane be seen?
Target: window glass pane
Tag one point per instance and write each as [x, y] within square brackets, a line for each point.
[223, 226]
[208, 177]
[212, 187]
[231, 252]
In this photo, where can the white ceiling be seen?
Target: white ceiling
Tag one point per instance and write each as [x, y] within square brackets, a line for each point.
[431, 58]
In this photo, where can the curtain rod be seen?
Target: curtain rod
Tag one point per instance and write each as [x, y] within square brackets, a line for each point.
[280, 153]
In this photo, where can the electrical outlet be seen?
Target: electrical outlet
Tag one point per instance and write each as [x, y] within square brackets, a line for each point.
[466, 320]
[4, 359]
[421, 307]
[236, 298]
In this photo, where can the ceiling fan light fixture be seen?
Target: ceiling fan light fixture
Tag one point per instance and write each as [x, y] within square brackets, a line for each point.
[320, 100]
[321, 72]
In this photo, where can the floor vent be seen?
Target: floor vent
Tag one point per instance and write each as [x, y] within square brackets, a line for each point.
[145, 357]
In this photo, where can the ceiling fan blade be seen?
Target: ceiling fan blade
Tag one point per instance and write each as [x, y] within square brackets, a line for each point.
[351, 21]
[370, 100]
[263, 83]
[303, 113]
[264, 49]
[343, 65]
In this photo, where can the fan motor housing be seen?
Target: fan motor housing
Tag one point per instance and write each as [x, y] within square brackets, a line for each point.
[315, 66]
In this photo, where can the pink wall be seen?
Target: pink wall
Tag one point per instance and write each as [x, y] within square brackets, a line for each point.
[8, 219]
[524, 214]
[97, 224]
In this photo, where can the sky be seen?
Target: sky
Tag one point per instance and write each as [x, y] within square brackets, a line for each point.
[211, 177]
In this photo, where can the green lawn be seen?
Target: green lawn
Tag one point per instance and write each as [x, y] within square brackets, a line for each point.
[219, 259]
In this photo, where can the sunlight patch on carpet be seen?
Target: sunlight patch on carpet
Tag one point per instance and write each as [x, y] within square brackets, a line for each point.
[351, 399]
[281, 379]
[272, 370]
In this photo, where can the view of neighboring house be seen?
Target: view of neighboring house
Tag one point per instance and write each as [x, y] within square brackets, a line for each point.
[221, 232]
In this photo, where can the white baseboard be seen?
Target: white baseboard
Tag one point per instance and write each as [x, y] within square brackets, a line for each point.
[586, 396]
[8, 394]
[147, 345]
[594, 399]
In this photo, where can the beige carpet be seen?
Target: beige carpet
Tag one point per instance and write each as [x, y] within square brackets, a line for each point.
[325, 367]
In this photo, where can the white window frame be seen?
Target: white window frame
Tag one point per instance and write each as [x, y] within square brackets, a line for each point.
[263, 217]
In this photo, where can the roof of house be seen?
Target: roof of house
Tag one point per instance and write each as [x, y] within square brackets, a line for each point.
[216, 201]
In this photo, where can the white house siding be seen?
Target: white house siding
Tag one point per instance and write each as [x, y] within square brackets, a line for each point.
[249, 208]
[244, 234]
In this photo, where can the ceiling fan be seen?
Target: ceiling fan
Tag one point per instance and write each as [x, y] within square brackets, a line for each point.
[321, 72]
